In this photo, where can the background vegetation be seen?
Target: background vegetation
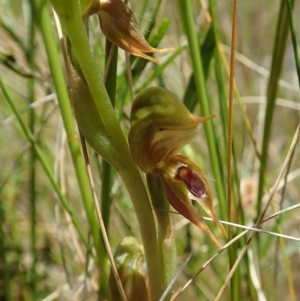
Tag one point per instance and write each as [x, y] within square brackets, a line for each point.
[43, 257]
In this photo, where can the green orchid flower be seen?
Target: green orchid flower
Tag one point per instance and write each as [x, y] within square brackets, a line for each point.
[160, 126]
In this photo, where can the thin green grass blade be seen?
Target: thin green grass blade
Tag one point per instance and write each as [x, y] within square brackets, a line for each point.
[279, 47]
[106, 176]
[6, 277]
[12, 33]
[289, 5]
[282, 243]
[33, 279]
[207, 51]
[188, 23]
[152, 19]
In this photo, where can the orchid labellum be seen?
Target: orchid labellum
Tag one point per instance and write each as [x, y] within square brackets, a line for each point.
[160, 126]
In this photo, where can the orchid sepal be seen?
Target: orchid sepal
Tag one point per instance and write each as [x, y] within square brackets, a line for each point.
[160, 126]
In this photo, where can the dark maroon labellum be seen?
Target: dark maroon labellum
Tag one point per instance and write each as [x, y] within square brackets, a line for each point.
[191, 180]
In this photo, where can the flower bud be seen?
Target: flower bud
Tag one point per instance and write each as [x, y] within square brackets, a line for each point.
[131, 265]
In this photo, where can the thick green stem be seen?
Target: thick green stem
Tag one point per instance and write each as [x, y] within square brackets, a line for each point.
[139, 197]
[71, 19]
